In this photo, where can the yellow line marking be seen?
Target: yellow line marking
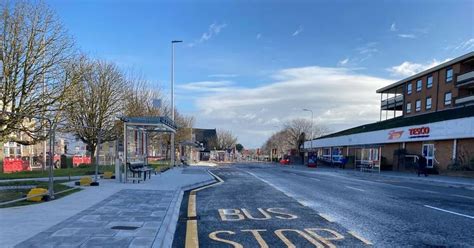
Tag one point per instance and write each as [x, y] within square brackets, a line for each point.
[357, 236]
[191, 234]
[192, 205]
[192, 240]
[326, 217]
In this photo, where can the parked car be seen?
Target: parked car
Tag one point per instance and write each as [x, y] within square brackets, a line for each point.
[285, 161]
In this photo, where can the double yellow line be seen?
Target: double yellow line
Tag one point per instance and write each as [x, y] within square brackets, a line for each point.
[192, 240]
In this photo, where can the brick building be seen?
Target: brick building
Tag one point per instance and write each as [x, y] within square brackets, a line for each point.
[430, 113]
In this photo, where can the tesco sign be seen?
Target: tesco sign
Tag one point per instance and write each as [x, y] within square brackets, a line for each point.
[419, 132]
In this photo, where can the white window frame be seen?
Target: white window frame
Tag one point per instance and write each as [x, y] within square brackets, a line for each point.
[428, 106]
[408, 108]
[450, 98]
[451, 77]
[428, 83]
[409, 88]
[419, 85]
[417, 105]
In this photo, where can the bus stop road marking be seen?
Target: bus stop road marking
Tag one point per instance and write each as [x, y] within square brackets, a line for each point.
[192, 240]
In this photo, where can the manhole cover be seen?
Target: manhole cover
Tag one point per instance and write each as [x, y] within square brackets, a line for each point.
[124, 227]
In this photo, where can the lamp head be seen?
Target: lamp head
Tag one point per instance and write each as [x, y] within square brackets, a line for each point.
[176, 41]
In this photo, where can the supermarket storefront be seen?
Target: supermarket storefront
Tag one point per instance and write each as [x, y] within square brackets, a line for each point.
[440, 142]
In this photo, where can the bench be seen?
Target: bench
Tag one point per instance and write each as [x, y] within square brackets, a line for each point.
[137, 169]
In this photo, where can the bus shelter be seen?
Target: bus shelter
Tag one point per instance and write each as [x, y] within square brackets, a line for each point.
[141, 127]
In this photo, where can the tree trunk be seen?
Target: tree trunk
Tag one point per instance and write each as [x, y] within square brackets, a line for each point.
[92, 152]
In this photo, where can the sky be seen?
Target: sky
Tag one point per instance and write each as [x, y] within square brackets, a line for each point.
[250, 66]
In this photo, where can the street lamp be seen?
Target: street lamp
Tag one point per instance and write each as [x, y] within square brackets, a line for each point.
[172, 98]
[311, 139]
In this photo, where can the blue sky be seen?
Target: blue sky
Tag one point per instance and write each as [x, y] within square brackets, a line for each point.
[249, 66]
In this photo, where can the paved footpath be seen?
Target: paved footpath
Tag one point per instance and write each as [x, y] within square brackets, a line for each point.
[111, 215]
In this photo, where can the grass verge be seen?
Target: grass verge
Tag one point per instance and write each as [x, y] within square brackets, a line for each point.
[12, 194]
[76, 171]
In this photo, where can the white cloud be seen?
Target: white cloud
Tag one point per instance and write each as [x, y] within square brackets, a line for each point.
[339, 97]
[407, 68]
[407, 36]
[466, 45]
[298, 31]
[393, 27]
[259, 36]
[343, 62]
[213, 30]
[207, 86]
[222, 75]
[368, 49]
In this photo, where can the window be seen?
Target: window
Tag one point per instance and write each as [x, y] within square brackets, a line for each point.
[447, 98]
[409, 107]
[429, 81]
[409, 88]
[418, 105]
[428, 103]
[419, 84]
[449, 75]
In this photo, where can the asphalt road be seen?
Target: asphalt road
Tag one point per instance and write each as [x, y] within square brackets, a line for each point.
[273, 206]
[387, 212]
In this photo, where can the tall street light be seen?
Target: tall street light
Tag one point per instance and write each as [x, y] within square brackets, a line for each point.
[172, 98]
[311, 139]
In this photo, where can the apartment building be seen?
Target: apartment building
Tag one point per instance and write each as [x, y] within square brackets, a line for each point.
[430, 113]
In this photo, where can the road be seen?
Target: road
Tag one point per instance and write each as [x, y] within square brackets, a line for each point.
[273, 206]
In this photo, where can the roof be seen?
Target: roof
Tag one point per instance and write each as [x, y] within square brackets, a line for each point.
[440, 66]
[444, 115]
[151, 123]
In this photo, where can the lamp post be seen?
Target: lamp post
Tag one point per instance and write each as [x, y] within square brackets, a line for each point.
[172, 98]
[311, 139]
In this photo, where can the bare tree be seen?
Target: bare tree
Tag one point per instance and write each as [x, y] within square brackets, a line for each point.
[278, 141]
[225, 139]
[139, 99]
[34, 51]
[96, 103]
[299, 130]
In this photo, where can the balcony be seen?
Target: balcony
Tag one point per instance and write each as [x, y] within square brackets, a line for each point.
[465, 100]
[465, 79]
[393, 103]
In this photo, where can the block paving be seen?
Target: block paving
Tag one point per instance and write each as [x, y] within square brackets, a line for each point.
[128, 218]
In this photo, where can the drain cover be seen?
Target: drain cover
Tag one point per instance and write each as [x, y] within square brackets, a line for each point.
[124, 227]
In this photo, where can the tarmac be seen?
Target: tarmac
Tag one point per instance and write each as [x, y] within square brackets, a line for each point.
[113, 214]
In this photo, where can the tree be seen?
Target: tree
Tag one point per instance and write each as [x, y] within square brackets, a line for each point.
[96, 103]
[299, 130]
[225, 139]
[292, 136]
[239, 147]
[34, 51]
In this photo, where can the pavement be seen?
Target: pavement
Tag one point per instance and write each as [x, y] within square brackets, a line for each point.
[110, 215]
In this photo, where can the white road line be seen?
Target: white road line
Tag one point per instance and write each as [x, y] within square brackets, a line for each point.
[463, 196]
[357, 236]
[451, 212]
[326, 217]
[315, 179]
[349, 187]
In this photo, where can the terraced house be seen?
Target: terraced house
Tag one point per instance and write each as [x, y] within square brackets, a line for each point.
[430, 113]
